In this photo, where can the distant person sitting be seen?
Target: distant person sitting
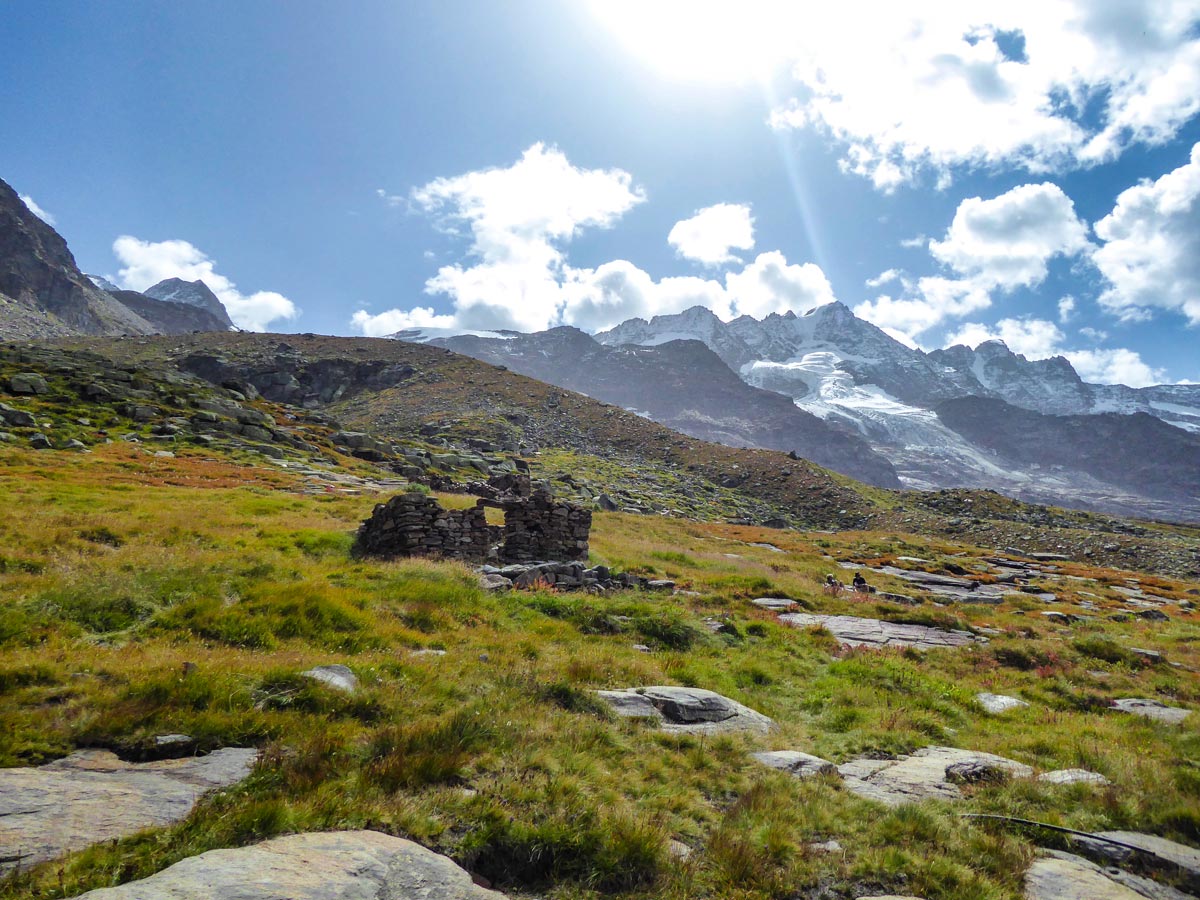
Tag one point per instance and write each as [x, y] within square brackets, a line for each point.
[832, 585]
[860, 584]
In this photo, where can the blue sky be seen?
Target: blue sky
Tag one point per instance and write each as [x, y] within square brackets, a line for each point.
[1021, 170]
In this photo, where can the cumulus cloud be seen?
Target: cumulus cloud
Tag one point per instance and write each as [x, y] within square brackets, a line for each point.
[710, 235]
[1033, 338]
[1115, 366]
[145, 263]
[32, 206]
[1150, 256]
[937, 86]
[1041, 339]
[1066, 309]
[519, 221]
[770, 285]
[991, 246]
[1006, 242]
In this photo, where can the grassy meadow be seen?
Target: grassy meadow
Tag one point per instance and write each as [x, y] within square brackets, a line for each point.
[141, 596]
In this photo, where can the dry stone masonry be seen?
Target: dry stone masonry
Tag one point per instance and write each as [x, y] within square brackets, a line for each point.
[536, 527]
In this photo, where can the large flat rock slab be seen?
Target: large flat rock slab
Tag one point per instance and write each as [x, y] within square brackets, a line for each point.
[1152, 709]
[922, 776]
[686, 710]
[1062, 876]
[855, 631]
[93, 796]
[337, 865]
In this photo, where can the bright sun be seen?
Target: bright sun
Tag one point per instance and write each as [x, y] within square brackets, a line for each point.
[703, 40]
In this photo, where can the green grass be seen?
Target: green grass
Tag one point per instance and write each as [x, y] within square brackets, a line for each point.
[498, 753]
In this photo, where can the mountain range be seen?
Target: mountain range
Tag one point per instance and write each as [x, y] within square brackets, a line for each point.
[984, 418]
[44, 294]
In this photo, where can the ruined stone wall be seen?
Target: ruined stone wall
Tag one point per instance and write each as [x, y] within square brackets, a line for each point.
[417, 525]
[542, 528]
[537, 528]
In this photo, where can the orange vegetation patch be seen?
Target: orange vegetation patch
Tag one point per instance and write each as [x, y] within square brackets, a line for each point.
[132, 465]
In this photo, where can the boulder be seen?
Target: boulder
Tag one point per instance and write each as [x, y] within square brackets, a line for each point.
[17, 418]
[93, 796]
[336, 865]
[338, 677]
[686, 710]
[27, 383]
[998, 703]
[775, 604]
[1073, 776]
[802, 765]
[1152, 709]
[39, 441]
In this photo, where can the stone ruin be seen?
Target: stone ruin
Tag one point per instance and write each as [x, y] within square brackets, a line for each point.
[536, 527]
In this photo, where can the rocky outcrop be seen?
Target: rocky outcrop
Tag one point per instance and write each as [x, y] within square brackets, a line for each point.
[686, 710]
[92, 796]
[47, 294]
[337, 865]
[929, 773]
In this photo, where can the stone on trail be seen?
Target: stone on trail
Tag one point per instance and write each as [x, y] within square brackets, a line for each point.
[93, 796]
[1152, 709]
[335, 865]
[1073, 776]
[338, 677]
[686, 710]
[775, 604]
[920, 776]
[801, 765]
[854, 631]
[998, 703]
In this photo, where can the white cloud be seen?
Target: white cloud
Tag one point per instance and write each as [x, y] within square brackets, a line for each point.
[1041, 339]
[939, 86]
[393, 320]
[770, 285]
[31, 204]
[1116, 366]
[1094, 334]
[992, 245]
[1033, 338]
[519, 220]
[885, 277]
[145, 263]
[913, 242]
[709, 235]
[1150, 257]
[1066, 309]
[940, 298]
[1007, 241]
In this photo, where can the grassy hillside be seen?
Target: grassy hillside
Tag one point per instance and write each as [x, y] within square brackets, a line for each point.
[146, 595]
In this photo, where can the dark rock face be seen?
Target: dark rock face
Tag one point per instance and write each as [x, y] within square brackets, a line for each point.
[173, 318]
[288, 377]
[684, 385]
[1139, 451]
[195, 294]
[50, 296]
[535, 528]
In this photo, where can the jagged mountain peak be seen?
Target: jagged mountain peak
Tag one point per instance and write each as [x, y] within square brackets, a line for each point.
[190, 293]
